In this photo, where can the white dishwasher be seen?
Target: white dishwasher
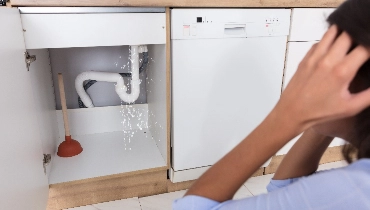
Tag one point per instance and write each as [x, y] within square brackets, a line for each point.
[227, 69]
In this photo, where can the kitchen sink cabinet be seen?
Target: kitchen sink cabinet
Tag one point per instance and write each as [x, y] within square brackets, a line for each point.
[115, 151]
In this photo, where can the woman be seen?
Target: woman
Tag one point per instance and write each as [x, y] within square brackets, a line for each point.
[328, 97]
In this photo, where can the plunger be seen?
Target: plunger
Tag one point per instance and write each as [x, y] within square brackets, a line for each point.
[69, 147]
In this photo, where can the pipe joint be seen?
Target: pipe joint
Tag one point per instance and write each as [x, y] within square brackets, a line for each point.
[120, 88]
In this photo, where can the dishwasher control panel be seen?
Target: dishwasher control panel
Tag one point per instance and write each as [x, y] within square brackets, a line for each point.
[229, 23]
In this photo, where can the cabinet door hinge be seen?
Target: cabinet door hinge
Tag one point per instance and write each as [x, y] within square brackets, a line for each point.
[46, 161]
[29, 59]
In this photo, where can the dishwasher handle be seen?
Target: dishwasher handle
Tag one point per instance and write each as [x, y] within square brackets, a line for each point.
[235, 29]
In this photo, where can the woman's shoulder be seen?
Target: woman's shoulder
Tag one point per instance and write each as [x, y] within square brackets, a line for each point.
[361, 164]
[353, 172]
[354, 175]
[322, 190]
[359, 173]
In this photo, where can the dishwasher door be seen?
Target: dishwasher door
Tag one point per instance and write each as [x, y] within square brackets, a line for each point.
[221, 90]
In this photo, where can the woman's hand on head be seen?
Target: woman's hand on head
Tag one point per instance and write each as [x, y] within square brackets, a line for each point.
[318, 92]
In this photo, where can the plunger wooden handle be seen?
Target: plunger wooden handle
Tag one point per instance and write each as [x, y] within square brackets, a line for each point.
[64, 104]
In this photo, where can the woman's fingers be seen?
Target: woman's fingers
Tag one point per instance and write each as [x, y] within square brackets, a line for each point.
[339, 48]
[349, 68]
[319, 50]
[326, 42]
[318, 92]
[350, 64]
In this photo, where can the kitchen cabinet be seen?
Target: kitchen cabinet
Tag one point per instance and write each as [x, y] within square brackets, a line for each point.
[70, 41]
[307, 28]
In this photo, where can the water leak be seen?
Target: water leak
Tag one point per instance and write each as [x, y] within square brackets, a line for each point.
[138, 122]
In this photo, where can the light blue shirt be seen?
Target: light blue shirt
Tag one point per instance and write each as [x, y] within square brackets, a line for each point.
[343, 188]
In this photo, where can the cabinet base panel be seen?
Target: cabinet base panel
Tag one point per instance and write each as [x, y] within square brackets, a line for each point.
[332, 154]
[183, 185]
[107, 188]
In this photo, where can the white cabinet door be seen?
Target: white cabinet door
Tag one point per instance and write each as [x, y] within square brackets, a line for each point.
[22, 179]
[309, 24]
[307, 27]
[295, 53]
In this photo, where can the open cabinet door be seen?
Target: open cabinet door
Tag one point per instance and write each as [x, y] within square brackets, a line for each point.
[23, 182]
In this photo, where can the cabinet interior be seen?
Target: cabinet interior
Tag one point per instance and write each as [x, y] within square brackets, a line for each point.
[116, 137]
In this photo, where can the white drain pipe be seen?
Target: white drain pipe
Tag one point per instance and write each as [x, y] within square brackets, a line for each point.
[121, 88]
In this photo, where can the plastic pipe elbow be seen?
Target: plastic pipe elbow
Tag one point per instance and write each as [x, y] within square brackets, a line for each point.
[79, 85]
[133, 96]
[121, 88]
[98, 76]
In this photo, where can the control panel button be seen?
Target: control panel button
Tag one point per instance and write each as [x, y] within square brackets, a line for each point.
[193, 30]
[186, 30]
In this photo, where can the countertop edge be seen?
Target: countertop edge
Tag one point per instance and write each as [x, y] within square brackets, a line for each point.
[183, 3]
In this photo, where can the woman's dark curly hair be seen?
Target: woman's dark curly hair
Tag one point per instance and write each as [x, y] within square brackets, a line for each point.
[353, 16]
